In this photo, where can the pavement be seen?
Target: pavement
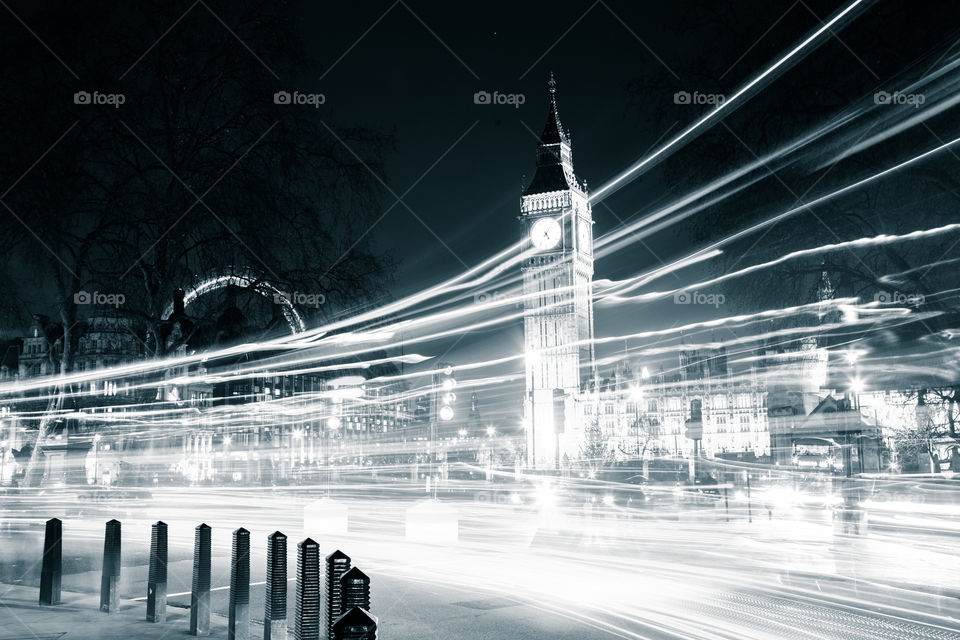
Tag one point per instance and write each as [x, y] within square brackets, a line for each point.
[78, 616]
[407, 610]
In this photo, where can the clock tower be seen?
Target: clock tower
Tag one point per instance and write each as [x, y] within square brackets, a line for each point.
[558, 297]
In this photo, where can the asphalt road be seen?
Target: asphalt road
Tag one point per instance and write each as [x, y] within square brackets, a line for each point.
[523, 572]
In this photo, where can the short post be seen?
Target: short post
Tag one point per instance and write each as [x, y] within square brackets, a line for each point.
[355, 624]
[157, 575]
[51, 570]
[306, 625]
[238, 621]
[110, 578]
[355, 590]
[200, 592]
[337, 564]
[275, 601]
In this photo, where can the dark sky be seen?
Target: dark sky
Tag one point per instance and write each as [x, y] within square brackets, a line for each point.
[387, 68]
[402, 78]
[415, 75]
[410, 69]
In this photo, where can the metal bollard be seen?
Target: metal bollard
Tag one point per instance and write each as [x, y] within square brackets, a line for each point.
[200, 591]
[355, 590]
[275, 601]
[306, 624]
[110, 578]
[238, 621]
[51, 570]
[157, 576]
[337, 564]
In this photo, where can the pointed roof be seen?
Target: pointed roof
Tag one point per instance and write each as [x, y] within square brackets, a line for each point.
[337, 556]
[355, 575]
[356, 620]
[553, 174]
[553, 132]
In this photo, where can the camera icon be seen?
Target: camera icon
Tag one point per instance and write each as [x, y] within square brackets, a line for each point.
[882, 297]
[81, 97]
[682, 297]
[81, 297]
[881, 97]
[282, 97]
[682, 97]
[482, 97]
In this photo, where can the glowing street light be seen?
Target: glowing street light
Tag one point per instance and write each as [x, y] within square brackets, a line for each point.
[491, 431]
[856, 386]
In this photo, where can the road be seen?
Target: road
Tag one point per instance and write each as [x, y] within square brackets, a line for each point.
[547, 571]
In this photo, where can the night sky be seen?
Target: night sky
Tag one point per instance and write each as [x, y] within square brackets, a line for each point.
[615, 95]
[410, 70]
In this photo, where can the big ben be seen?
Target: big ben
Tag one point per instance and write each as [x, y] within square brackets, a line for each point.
[557, 285]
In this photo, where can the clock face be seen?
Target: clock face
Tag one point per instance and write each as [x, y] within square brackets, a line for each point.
[583, 236]
[545, 233]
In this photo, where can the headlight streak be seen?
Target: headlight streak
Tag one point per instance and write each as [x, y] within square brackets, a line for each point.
[838, 21]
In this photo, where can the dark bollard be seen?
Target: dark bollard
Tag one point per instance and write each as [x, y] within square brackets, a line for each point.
[306, 624]
[355, 590]
[200, 593]
[275, 601]
[157, 577]
[52, 567]
[337, 564]
[355, 624]
[238, 622]
[110, 579]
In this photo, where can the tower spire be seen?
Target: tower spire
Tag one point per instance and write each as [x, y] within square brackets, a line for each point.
[554, 155]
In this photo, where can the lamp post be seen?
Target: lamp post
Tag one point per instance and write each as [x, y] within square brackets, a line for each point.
[96, 459]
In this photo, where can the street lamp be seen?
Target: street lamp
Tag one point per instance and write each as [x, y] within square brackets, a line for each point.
[636, 395]
[96, 458]
[856, 387]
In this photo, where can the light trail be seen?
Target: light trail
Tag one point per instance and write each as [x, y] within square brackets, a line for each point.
[619, 288]
[837, 22]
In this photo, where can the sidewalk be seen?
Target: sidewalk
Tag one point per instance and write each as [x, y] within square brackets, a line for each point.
[78, 617]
